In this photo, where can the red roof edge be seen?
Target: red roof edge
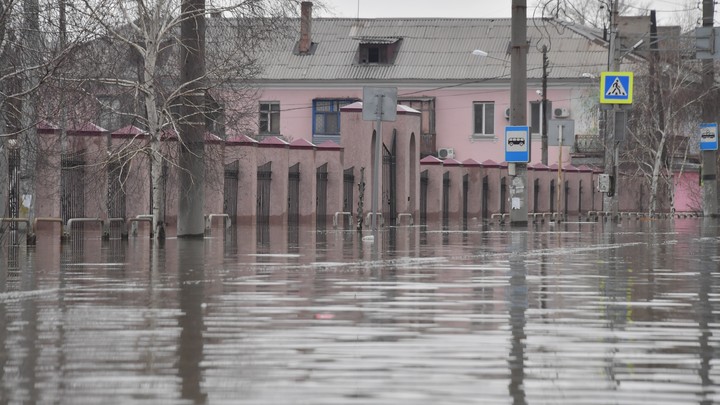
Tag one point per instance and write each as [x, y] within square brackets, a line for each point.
[430, 160]
[301, 144]
[329, 145]
[273, 142]
[241, 140]
[129, 131]
[471, 163]
[451, 162]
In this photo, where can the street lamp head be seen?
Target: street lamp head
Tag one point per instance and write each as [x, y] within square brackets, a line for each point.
[588, 75]
[637, 45]
[480, 53]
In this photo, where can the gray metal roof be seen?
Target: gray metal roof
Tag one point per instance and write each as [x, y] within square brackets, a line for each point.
[432, 49]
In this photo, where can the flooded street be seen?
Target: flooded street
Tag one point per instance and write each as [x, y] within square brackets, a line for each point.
[560, 314]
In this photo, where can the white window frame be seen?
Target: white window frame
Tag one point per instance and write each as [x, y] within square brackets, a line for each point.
[540, 120]
[486, 114]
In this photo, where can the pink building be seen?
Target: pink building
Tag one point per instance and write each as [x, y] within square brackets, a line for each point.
[463, 99]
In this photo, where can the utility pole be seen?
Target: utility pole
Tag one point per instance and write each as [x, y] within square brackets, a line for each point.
[610, 200]
[191, 219]
[709, 162]
[518, 111]
[544, 137]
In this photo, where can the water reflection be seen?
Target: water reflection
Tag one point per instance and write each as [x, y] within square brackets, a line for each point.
[518, 298]
[191, 279]
[708, 254]
[564, 313]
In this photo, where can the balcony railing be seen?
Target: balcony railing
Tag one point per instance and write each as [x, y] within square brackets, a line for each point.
[588, 144]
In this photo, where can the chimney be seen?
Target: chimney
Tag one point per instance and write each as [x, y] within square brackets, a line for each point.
[305, 27]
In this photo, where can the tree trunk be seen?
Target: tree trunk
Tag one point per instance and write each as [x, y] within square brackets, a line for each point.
[28, 135]
[156, 154]
[4, 175]
[655, 180]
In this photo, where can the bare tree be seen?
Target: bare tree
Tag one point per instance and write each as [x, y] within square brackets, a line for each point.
[150, 33]
[663, 122]
[30, 51]
[589, 13]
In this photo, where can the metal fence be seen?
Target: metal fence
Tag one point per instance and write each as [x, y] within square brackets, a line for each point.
[588, 144]
[348, 194]
[485, 197]
[321, 177]
[389, 209]
[465, 190]
[72, 186]
[230, 189]
[503, 195]
[446, 200]
[580, 195]
[264, 176]
[566, 197]
[423, 196]
[116, 194]
[294, 195]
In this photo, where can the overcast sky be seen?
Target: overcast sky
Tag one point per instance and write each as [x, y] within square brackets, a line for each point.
[475, 8]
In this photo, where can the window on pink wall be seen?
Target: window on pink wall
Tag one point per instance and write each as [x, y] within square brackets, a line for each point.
[426, 106]
[536, 121]
[483, 118]
[269, 118]
[326, 119]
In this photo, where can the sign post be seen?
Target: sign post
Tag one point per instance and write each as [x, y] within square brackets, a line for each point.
[561, 133]
[379, 104]
[616, 90]
[708, 148]
[517, 150]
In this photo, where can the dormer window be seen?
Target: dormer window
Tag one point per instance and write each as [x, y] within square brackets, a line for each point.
[378, 51]
[374, 54]
[370, 53]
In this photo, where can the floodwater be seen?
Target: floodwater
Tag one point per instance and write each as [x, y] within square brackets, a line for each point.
[559, 314]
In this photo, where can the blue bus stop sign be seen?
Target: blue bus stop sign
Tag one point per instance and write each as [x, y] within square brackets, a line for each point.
[517, 144]
[709, 136]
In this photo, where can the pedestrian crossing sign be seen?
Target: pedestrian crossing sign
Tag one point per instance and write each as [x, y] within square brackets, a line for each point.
[616, 88]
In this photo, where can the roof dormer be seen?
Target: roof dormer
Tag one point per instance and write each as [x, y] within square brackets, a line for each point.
[378, 50]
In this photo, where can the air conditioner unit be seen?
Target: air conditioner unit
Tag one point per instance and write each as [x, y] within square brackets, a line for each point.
[507, 113]
[561, 112]
[446, 153]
